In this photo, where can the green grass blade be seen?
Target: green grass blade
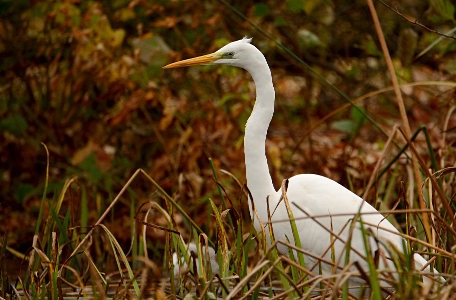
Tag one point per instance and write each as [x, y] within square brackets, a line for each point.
[49, 227]
[175, 204]
[134, 246]
[275, 256]
[225, 207]
[396, 157]
[222, 240]
[43, 199]
[94, 267]
[294, 228]
[373, 275]
[347, 259]
[434, 43]
[118, 248]
[294, 270]
[63, 237]
[430, 148]
[84, 210]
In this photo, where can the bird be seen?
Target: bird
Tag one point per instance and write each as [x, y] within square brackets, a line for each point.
[323, 237]
[180, 266]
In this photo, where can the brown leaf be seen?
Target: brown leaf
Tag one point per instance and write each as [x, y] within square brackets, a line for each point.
[81, 154]
[168, 114]
[168, 22]
[130, 105]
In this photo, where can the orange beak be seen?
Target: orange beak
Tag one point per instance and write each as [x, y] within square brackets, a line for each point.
[200, 60]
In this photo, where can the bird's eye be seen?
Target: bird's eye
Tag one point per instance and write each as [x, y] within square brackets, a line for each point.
[228, 55]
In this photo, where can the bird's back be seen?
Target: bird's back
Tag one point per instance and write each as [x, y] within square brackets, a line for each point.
[324, 211]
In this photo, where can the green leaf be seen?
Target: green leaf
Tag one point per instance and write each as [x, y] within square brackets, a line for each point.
[347, 126]
[353, 72]
[310, 5]
[16, 124]
[154, 51]
[308, 39]
[261, 10]
[295, 5]
[370, 47]
[126, 14]
[358, 116]
[435, 42]
[279, 21]
[118, 37]
[91, 167]
[444, 8]
[23, 191]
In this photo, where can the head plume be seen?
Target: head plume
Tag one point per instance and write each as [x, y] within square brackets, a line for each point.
[246, 39]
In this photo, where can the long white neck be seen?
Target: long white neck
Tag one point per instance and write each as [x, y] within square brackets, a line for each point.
[259, 179]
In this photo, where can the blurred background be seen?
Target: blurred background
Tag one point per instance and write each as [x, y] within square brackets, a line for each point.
[85, 78]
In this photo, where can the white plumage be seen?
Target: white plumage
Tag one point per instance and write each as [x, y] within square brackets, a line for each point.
[192, 250]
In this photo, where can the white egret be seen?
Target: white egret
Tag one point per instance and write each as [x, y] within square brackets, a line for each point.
[181, 266]
[315, 195]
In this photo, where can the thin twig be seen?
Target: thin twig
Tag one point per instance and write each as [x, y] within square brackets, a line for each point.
[403, 113]
[246, 279]
[434, 182]
[89, 234]
[379, 161]
[415, 21]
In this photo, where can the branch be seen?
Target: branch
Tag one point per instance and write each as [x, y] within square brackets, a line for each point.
[415, 21]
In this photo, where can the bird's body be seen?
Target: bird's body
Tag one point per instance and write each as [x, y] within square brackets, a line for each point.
[324, 215]
[309, 195]
[181, 266]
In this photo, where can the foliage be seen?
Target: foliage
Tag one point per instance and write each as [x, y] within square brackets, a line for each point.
[84, 78]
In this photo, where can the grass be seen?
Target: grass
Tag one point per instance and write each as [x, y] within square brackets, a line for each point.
[61, 264]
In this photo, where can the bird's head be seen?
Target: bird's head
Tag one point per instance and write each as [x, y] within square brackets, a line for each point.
[240, 54]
